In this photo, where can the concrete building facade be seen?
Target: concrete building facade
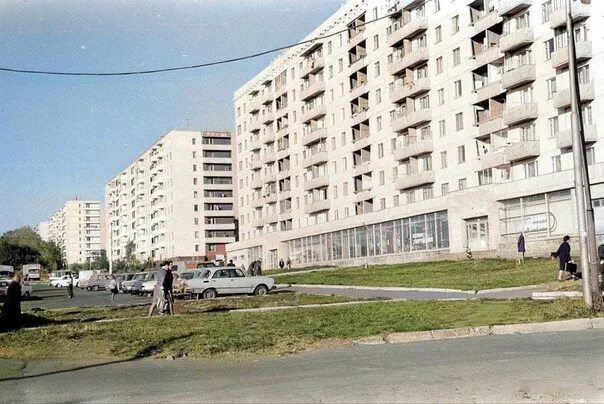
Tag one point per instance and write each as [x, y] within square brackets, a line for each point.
[417, 129]
[175, 200]
[76, 229]
[43, 230]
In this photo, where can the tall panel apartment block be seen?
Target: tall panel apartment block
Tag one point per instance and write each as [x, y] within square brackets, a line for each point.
[175, 200]
[426, 128]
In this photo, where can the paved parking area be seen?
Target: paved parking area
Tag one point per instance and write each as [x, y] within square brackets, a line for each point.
[48, 297]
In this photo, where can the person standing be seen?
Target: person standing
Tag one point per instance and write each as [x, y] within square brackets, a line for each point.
[281, 264]
[253, 268]
[521, 249]
[231, 264]
[10, 318]
[70, 286]
[113, 288]
[563, 255]
[289, 263]
[258, 269]
[163, 279]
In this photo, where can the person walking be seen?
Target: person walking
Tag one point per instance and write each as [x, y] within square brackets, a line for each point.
[113, 288]
[253, 268]
[281, 264]
[289, 263]
[563, 255]
[10, 317]
[258, 269]
[70, 286]
[521, 249]
[163, 285]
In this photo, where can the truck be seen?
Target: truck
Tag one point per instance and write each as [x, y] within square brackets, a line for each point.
[31, 272]
[6, 271]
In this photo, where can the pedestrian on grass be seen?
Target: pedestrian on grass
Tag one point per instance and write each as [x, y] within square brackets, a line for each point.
[563, 255]
[162, 293]
[253, 268]
[288, 263]
[113, 288]
[281, 264]
[10, 317]
[70, 286]
[521, 249]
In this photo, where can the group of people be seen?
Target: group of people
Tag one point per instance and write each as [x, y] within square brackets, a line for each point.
[567, 269]
[163, 297]
[287, 263]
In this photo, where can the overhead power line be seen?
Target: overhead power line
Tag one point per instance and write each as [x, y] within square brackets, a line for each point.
[190, 67]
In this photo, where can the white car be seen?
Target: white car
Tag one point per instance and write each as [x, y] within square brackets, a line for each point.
[63, 282]
[212, 282]
[149, 283]
[26, 289]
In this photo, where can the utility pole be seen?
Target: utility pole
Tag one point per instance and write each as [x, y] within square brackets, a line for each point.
[587, 232]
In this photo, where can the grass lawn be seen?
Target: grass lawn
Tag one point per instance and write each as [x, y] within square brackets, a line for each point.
[10, 368]
[281, 332]
[465, 275]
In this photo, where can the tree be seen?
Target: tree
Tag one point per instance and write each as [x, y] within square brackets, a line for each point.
[24, 246]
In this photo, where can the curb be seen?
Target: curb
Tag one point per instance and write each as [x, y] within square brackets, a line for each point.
[555, 295]
[385, 288]
[484, 331]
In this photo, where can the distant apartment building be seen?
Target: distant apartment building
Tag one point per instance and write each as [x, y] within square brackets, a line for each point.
[76, 229]
[425, 128]
[175, 200]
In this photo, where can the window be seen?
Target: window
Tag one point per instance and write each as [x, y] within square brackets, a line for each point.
[549, 48]
[553, 125]
[340, 64]
[551, 88]
[459, 121]
[380, 150]
[546, 11]
[583, 73]
[442, 128]
[441, 96]
[590, 155]
[345, 189]
[436, 6]
[485, 177]
[395, 200]
[444, 189]
[443, 159]
[378, 96]
[456, 56]
[377, 69]
[329, 48]
[343, 138]
[193, 140]
[382, 178]
[461, 154]
[438, 34]
[457, 87]
[455, 24]
[462, 183]
[439, 65]
[376, 42]
[379, 122]
[530, 169]
[556, 163]
[383, 203]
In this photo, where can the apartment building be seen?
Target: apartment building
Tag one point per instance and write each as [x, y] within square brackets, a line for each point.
[76, 228]
[175, 200]
[423, 129]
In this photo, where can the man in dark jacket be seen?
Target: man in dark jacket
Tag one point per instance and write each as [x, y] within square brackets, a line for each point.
[162, 293]
[563, 255]
[521, 249]
[10, 319]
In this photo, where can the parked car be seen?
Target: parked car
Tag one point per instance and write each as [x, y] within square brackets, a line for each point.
[121, 278]
[63, 282]
[134, 285]
[212, 282]
[98, 282]
[148, 283]
[26, 288]
[180, 280]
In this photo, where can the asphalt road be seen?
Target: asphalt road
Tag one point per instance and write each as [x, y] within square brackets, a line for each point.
[544, 367]
[48, 297]
[410, 295]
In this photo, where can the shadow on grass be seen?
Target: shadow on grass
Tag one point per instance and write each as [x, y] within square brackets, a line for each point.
[140, 354]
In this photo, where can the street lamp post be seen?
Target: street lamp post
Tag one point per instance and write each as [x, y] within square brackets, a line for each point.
[585, 213]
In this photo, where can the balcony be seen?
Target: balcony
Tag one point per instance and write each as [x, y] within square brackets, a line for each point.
[314, 113]
[489, 91]
[492, 125]
[579, 12]
[411, 119]
[508, 7]
[521, 113]
[269, 177]
[257, 203]
[562, 97]
[522, 150]
[257, 182]
[409, 90]
[517, 39]
[358, 63]
[357, 37]
[411, 59]
[414, 180]
[358, 90]
[414, 149]
[268, 117]
[560, 57]
[359, 117]
[361, 142]
[285, 194]
[317, 206]
[488, 56]
[486, 21]
[361, 168]
[363, 194]
[282, 132]
[284, 173]
[492, 159]
[255, 143]
[312, 66]
[519, 76]
[268, 137]
[564, 139]
[269, 157]
[317, 87]
[409, 29]
[315, 159]
[255, 125]
[271, 218]
[257, 222]
[267, 97]
[314, 136]
[317, 182]
[270, 198]
[254, 105]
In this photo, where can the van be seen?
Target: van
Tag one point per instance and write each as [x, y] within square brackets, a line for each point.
[6, 271]
[31, 272]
